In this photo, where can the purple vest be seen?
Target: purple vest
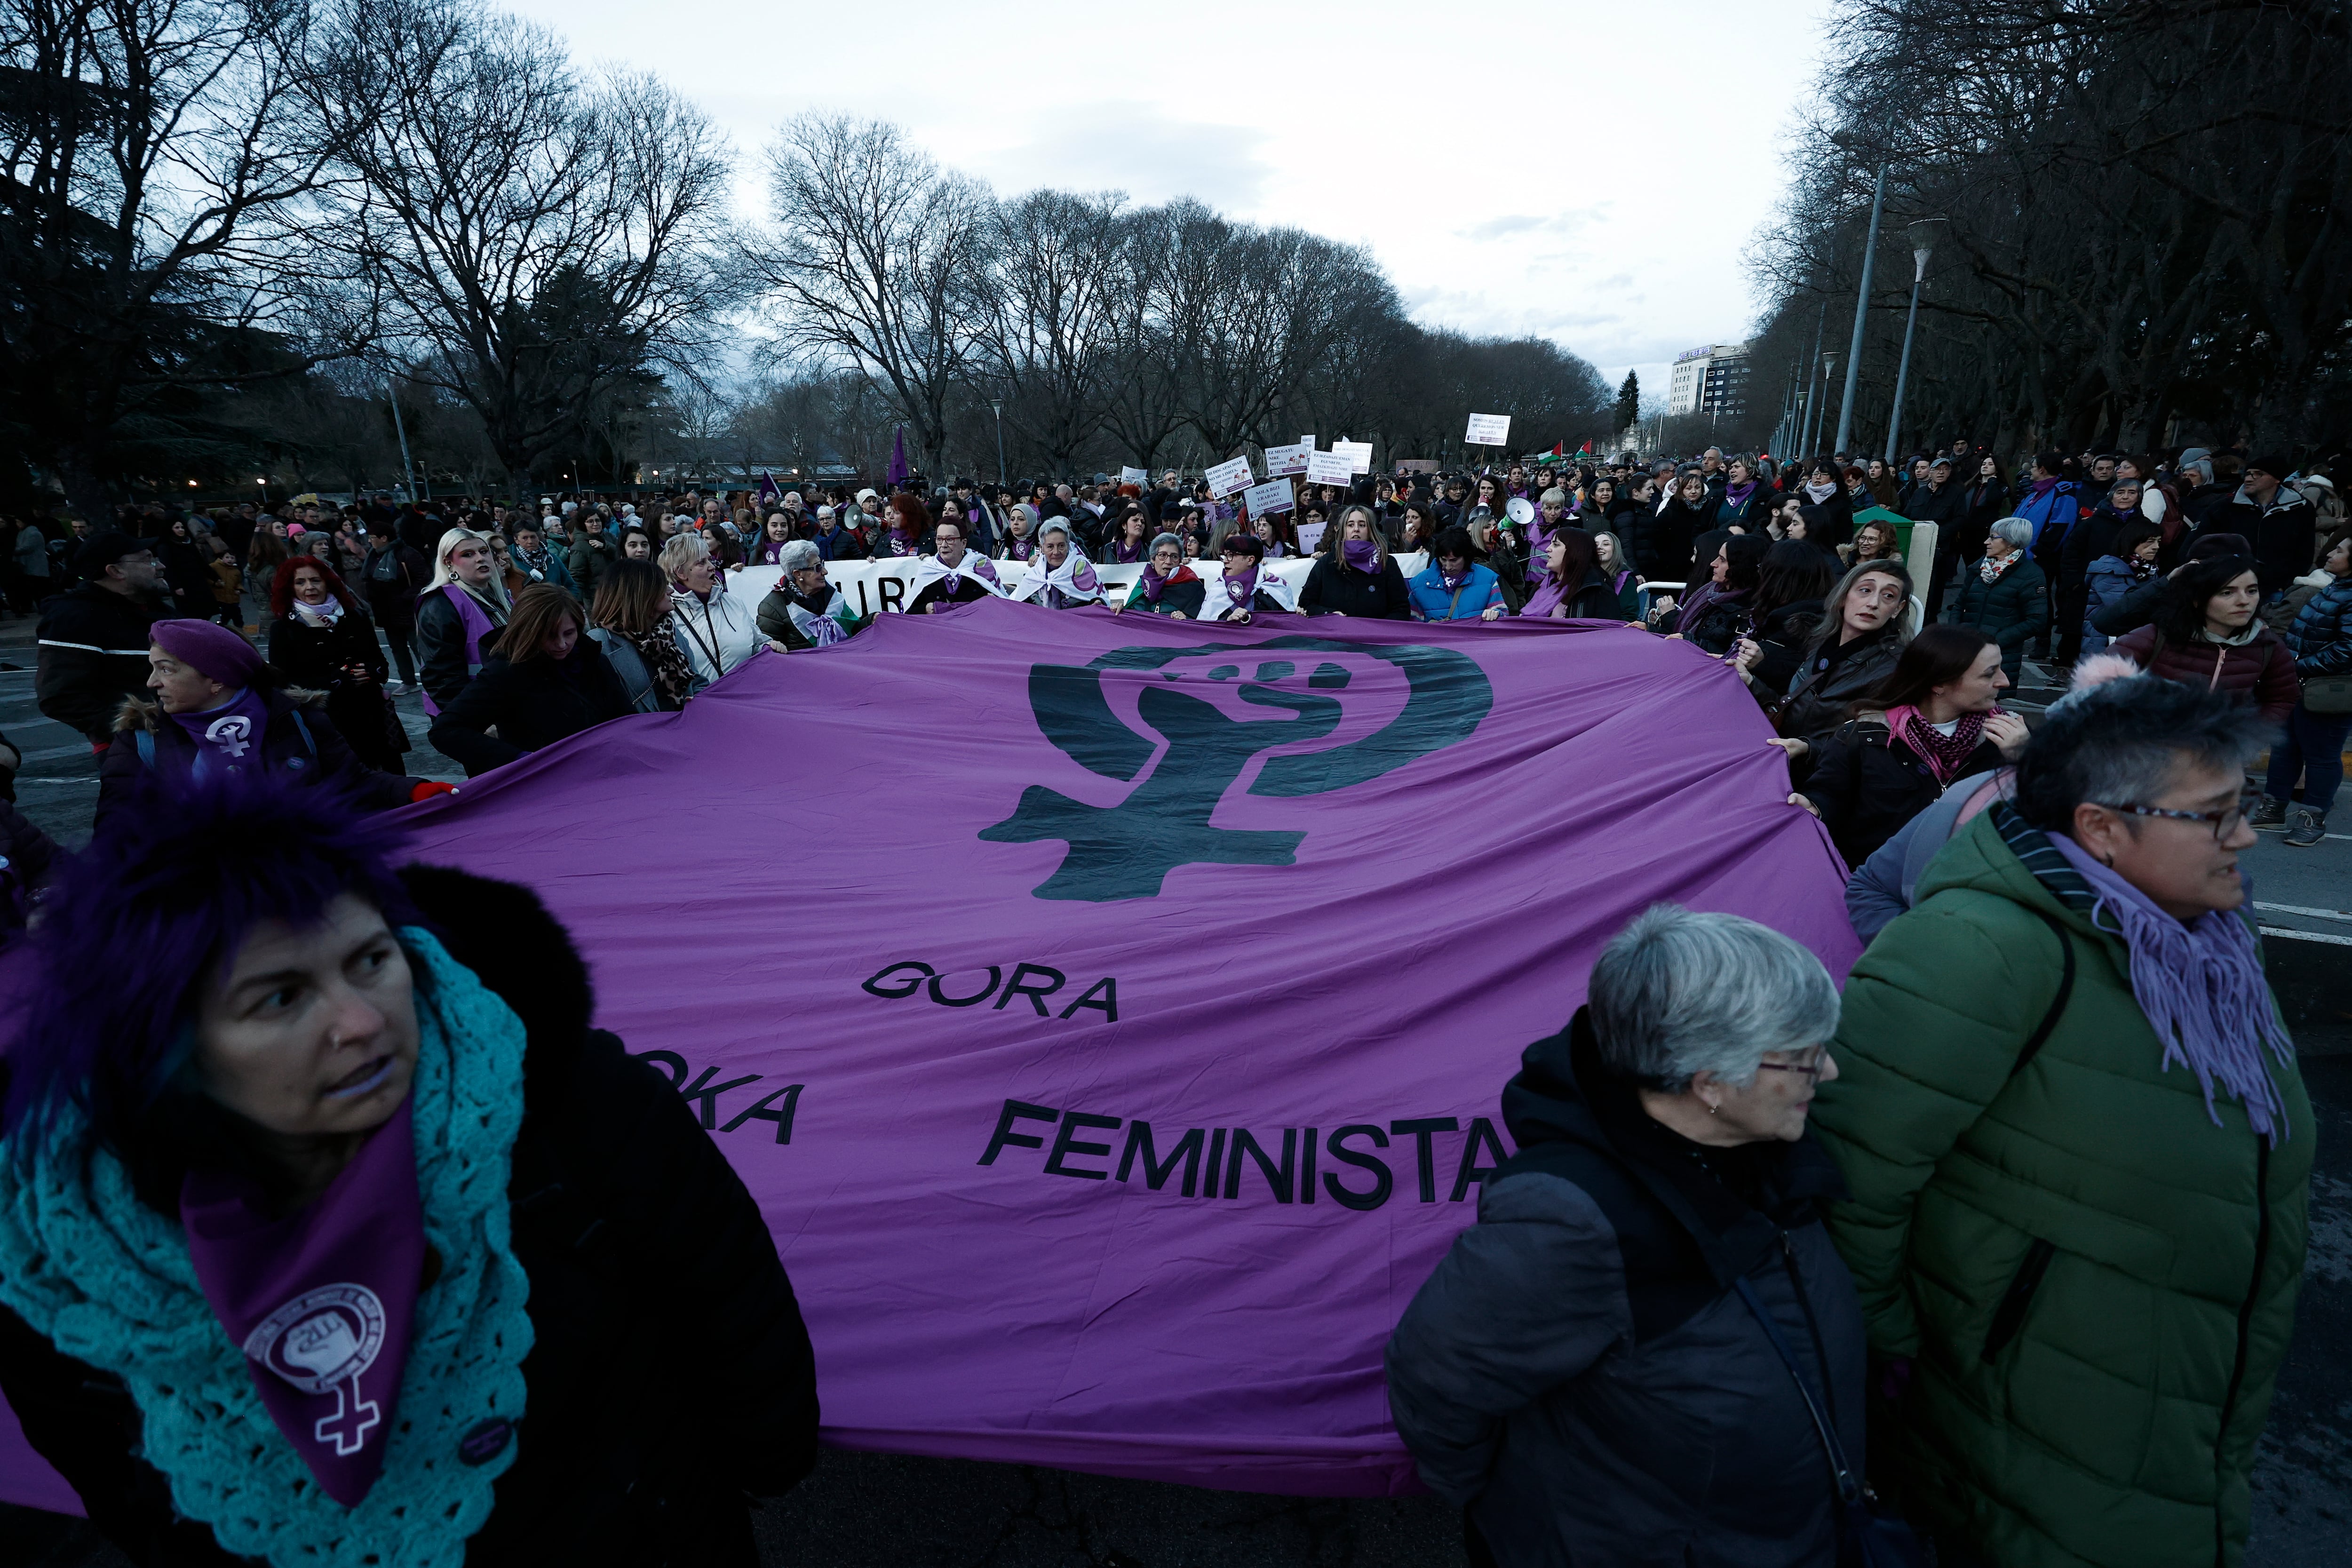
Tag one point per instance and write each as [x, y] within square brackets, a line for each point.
[477, 627]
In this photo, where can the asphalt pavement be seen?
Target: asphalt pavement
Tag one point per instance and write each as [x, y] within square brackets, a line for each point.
[906, 1512]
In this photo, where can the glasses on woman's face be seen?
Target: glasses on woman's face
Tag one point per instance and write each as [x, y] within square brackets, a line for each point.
[2225, 822]
[1807, 1061]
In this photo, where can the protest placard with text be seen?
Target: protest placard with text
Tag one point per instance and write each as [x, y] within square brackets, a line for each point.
[1310, 537]
[1489, 430]
[1133, 477]
[1328, 469]
[1358, 453]
[1224, 479]
[1287, 459]
[1269, 498]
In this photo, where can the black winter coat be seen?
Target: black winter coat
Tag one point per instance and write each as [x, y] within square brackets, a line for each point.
[1866, 783]
[1175, 599]
[1581, 1374]
[315, 657]
[1983, 502]
[2012, 611]
[1333, 587]
[1664, 550]
[309, 750]
[93, 656]
[642, 1246]
[1829, 683]
[533, 703]
[441, 642]
[393, 598]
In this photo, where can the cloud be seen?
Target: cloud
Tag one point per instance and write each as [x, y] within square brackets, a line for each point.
[1134, 148]
[1569, 223]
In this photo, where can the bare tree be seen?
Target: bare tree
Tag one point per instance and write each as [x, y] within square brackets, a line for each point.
[876, 257]
[151, 236]
[1054, 311]
[541, 237]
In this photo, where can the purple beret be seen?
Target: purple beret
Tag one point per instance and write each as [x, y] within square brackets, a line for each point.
[209, 649]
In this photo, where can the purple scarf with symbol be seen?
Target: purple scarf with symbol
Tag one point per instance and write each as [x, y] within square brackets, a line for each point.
[321, 1299]
[1363, 554]
[1240, 590]
[230, 736]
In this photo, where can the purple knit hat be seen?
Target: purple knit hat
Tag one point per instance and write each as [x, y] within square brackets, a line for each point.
[209, 649]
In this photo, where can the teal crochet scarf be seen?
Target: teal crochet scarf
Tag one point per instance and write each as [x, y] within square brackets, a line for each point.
[109, 1281]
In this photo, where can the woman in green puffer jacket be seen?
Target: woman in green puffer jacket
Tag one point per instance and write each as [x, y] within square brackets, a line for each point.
[2077, 1245]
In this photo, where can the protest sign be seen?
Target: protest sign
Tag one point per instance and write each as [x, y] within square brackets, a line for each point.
[1358, 453]
[1489, 430]
[1133, 477]
[1224, 479]
[1287, 459]
[1055, 1188]
[1328, 469]
[1310, 537]
[1269, 498]
[1308, 442]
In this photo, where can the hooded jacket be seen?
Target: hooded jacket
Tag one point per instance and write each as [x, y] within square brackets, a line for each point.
[299, 741]
[2094, 1283]
[2260, 673]
[1579, 1372]
[93, 656]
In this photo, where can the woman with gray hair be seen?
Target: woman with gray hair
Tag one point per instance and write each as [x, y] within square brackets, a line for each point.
[2079, 1151]
[2006, 594]
[1646, 1350]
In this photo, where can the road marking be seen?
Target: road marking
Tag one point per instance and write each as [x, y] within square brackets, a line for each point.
[2344, 915]
[2328, 937]
[52, 752]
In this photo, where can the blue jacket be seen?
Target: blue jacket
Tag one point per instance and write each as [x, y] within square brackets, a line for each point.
[1432, 601]
[2321, 636]
[2109, 578]
[2051, 515]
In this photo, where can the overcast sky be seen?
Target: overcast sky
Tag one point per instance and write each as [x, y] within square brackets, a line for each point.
[1588, 173]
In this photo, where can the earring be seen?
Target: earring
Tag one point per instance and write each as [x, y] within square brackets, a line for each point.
[1713, 1108]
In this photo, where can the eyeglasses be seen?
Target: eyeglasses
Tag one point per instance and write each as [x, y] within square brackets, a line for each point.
[2225, 822]
[1810, 1066]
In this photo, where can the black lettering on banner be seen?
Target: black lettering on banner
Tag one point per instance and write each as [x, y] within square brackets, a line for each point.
[1020, 985]
[983, 995]
[865, 606]
[1217, 1160]
[1481, 1131]
[703, 1090]
[1425, 1162]
[914, 982]
[790, 1094]
[893, 592]
[1065, 1142]
[1383, 1182]
[1155, 1174]
[1307, 1167]
[669, 1062]
[1276, 1180]
[1107, 1005]
[1017, 1110]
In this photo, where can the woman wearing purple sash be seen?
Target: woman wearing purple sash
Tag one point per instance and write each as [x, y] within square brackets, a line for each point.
[336, 1235]
[461, 607]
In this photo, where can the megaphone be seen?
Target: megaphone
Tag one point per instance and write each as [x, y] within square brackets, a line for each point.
[1520, 510]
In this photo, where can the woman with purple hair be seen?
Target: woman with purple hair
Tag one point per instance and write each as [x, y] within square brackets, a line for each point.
[331, 1232]
[2078, 1148]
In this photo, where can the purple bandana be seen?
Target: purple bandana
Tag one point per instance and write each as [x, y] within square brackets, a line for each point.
[1242, 589]
[230, 735]
[899, 543]
[1021, 550]
[1452, 583]
[1363, 554]
[322, 1299]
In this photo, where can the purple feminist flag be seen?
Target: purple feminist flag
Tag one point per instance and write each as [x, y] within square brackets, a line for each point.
[1112, 1036]
[898, 469]
[769, 492]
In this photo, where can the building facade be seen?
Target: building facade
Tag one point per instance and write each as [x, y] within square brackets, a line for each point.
[1710, 380]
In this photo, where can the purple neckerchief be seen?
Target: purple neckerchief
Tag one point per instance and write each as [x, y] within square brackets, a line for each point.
[2201, 984]
[2041, 488]
[899, 543]
[320, 1300]
[1736, 496]
[1151, 583]
[230, 736]
[1452, 583]
[1363, 554]
[1020, 549]
[772, 553]
[1247, 591]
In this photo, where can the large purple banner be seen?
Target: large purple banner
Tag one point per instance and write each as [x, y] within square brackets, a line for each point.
[1108, 1013]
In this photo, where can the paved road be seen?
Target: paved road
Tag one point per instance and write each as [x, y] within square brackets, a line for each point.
[867, 1509]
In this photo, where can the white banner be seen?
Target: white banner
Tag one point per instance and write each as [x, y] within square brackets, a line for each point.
[1328, 469]
[1226, 478]
[886, 586]
[1489, 430]
[1287, 459]
[1266, 499]
[1359, 454]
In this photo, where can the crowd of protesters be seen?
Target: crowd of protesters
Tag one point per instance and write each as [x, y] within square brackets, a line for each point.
[2022, 1249]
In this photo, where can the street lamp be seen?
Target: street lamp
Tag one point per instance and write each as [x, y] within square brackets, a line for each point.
[1924, 235]
[1003, 481]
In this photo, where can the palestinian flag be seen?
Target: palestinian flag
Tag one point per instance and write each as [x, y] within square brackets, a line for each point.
[1558, 450]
